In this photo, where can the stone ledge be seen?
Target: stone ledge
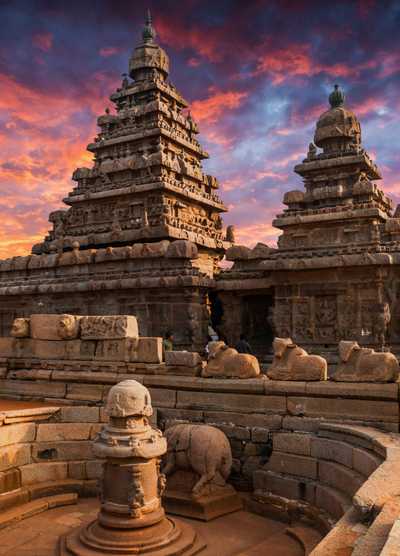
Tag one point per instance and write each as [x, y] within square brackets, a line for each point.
[11, 516]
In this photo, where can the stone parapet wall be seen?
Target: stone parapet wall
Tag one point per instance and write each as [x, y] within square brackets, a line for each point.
[248, 411]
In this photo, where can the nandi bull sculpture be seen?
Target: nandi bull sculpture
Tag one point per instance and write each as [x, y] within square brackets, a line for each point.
[197, 465]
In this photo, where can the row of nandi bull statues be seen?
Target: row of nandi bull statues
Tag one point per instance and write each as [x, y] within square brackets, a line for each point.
[291, 362]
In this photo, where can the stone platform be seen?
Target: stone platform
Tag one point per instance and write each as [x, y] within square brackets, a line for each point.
[237, 534]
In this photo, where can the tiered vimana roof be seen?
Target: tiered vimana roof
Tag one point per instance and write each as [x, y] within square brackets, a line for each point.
[147, 181]
[341, 206]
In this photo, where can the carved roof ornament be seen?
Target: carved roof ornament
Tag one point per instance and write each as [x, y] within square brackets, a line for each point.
[336, 98]
[148, 33]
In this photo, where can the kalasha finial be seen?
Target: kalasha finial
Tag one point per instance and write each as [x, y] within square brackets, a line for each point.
[149, 33]
[336, 98]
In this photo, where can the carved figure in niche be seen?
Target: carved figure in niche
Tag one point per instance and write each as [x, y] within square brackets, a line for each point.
[136, 499]
[292, 362]
[20, 328]
[380, 322]
[224, 361]
[358, 364]
[201, 448]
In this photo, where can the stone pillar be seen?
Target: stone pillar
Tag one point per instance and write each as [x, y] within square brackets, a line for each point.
[131, 518]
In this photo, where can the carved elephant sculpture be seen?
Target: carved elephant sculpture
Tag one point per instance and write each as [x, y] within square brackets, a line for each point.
[203, 449]
[292, 362]
[358, 364]
[227, 362]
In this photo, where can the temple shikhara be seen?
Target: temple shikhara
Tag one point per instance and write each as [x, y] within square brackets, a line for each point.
[147, 390]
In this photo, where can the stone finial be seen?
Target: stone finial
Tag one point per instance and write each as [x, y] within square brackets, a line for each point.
[129, 397]
[148, 33]
[336, 98]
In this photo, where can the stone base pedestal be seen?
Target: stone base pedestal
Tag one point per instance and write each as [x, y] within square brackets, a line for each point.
[170, 537]
[205, 507]
[215, 500]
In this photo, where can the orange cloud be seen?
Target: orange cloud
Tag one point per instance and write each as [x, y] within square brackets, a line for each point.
[297, 60]
[211, 108]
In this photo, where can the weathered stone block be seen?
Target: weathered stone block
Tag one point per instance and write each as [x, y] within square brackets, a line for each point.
[14, 456]
[149, 350]
[245, 403]
[94, 469]
[10, 480]
[182, 358]
[363, 410]
[18, 433]
[287, 487]
[292, 443]
[36, 389]
[48, 432]
[43, 472]
[77, 470]
[339, 477]
[333, 502]
[365, 462]
[62, 451]
[260, 435]
[63, 349]
[87, 392]
[109, 327]
[116, 350]
[297, 424]
[162, 397]
[332, 450]
[54, 327]
[16, 347]
[302, 466]
[80, 414]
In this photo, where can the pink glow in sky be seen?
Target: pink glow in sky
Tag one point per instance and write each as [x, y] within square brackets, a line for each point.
[257, 76]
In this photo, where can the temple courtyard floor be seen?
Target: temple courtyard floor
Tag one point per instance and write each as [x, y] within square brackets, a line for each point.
[239, 534]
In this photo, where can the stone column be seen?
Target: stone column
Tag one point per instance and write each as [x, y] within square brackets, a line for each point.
[131, 518]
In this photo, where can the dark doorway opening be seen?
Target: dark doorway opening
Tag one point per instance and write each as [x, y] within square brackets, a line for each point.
[216, 310]
[257, 322]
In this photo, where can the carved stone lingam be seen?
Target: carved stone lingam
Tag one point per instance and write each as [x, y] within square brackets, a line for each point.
[131, 519]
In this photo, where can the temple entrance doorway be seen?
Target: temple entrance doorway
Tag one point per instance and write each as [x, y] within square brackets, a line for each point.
[257, 322]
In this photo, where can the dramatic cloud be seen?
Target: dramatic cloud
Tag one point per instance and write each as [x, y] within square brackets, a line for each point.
[257, 76]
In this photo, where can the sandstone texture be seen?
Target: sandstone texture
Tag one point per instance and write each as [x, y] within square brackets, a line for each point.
[292, 362]
[224, 361]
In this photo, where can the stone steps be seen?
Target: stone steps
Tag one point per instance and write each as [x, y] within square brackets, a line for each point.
[307, 537]
[23, 511]
[279, 544]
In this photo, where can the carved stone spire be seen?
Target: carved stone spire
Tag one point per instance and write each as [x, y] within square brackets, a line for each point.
[148, 33]
[336, 98]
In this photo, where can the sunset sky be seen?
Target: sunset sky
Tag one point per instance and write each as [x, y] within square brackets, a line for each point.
[256, 73]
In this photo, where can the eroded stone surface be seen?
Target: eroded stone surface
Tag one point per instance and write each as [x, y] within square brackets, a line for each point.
[224, 361]
[358, 364]
[292, 362]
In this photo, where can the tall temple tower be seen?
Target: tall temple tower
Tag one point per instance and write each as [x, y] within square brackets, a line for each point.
[143, 232]
[147, 182]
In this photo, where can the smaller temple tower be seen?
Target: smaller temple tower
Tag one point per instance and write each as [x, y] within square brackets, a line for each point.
[335, 275]
[341, 208]
[147, 181]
